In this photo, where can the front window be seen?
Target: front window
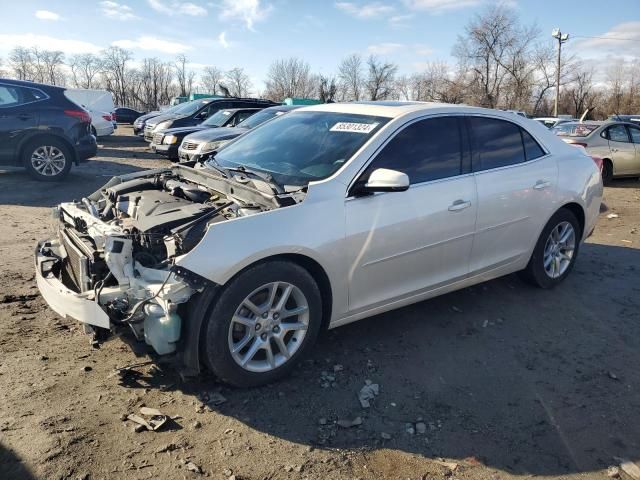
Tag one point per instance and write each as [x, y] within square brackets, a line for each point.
[301, 147]
[218, 119]
[190, 108]
[574, 129]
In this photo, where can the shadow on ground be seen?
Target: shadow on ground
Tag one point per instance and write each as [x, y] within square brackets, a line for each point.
[515, 377]
[13, 467]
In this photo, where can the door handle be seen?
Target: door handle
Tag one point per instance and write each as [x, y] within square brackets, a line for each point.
[540, 184]
[459, 205]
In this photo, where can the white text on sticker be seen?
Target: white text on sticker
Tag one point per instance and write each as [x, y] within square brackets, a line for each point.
[353, 127]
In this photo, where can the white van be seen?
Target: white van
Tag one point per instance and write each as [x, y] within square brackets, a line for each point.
[99, 104]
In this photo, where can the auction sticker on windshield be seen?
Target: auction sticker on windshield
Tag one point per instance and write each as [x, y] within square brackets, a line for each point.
[353, 127]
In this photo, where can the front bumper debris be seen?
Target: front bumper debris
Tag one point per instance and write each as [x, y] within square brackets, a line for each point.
[65, 302]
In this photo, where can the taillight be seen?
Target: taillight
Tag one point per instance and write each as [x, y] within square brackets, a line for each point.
[79, 114]
[107, 117]
[113, 117]
[598, 161]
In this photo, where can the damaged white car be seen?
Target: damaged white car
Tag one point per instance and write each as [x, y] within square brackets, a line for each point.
[327, 215]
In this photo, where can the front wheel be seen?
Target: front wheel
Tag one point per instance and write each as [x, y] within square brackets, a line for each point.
[555, 252]
[47, 159]
[607, 172]
[262, 323]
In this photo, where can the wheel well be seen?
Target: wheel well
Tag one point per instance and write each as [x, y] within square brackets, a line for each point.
[578, 211]
[609, 161]
[318, 274]
[33, 138]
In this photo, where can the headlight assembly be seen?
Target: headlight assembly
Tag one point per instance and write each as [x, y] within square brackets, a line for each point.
[211, 146]
[169, 139]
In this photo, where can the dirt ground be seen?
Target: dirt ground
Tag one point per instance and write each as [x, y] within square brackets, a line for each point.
[496, 381]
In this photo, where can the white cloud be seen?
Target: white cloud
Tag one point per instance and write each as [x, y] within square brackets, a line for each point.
[9, 41]
[47, 15]
[154, 44]
[384, 48]
[247, 11]
[176, 7]
[623, 40]
[423, 50]
[117, 11]
[222, 40]
[366, 10]
[439, 6]
[399, 21]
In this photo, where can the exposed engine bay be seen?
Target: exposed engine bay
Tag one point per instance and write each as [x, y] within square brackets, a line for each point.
[116, 249]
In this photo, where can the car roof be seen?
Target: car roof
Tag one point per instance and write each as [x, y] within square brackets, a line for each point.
[282, 108]
[26, 83]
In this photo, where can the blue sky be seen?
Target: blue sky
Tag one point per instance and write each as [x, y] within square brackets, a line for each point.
[252, 33]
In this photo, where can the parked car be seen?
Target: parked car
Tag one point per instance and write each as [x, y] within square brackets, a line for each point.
[197, 111]
[617, 143]
[626, 118]
[99, 104]
[141, 121]
[42, 130]
[551, 122]
[127, 115]
[318, 218]
[166, 142]
[198, 145]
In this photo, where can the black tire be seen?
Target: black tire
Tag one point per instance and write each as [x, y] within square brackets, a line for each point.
[607, 171]
[46, 142]
[94, 132]
[535, 272]
[215, 346]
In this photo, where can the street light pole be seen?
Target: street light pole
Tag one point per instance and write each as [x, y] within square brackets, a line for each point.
[561, 37]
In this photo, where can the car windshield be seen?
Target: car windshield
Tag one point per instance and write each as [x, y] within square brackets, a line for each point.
[218, 119]
[260, 117]
[574, 129]
[302, 146]
[190, 107]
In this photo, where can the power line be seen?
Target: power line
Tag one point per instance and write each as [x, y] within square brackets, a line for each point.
[609, 38]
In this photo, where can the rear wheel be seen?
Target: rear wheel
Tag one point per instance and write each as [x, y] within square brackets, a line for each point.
[607, 171]
[555, 252]
[47, 159]
[263, 322]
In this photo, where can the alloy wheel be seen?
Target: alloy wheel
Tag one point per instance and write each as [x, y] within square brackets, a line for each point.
[268, 327]
[48, 160]
[559, 249]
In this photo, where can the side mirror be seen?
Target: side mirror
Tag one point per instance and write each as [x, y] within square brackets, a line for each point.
[385, 180]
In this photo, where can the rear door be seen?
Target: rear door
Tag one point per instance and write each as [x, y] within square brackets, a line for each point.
[623, 152]
[402, 243]
[17, 116]
[634, 132]
[516, 180]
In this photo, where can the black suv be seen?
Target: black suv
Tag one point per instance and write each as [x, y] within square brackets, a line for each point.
[197, 111]
[42, 130]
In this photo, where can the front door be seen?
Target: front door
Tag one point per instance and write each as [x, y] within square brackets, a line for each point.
[404, 243]
[634, 132]
[16, 116]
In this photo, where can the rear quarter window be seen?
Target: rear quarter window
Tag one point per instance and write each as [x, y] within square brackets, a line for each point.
[497, 143]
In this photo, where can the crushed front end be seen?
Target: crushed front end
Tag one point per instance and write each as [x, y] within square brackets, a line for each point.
[111, 263]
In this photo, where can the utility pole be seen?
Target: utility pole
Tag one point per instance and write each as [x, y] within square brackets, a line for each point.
[561, 37]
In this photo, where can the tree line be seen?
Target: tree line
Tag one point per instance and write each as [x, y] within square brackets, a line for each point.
[499, 63]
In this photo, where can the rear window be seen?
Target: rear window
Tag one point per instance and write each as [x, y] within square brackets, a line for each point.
[498, 143]
[574, 129]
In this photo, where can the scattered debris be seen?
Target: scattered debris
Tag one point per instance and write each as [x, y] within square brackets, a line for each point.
[192, 467]
[629, 468]
[195, 425]
[626, 241]
[385, 436]
[456, 309]
[612, 215]
[368, 393]
[453, 466]
[227, 472]
[411, 430]
[157, 420]
[350, 423]
[485, 324]
[421, 428]
[86, 368]
[337, 368]
[216, 399]
[612, 376]
[322, 421]
[613, 472]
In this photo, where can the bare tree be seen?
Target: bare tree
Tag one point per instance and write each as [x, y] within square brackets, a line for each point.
[21, 63]
[238, 82]
[210, 79]
[327, 89]
[351, 77]
[290, 77]
[85, 70]
[184, 77]
[380, 78]
[115, 70]
[581, 92]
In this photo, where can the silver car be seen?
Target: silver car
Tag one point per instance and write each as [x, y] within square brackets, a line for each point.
[315, 219]
[617, 143]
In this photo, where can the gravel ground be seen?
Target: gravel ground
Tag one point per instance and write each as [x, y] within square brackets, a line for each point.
[496, 381]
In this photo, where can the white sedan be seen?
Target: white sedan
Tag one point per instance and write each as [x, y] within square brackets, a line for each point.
[327, 215]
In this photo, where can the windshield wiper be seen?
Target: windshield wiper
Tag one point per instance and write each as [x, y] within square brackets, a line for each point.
[212, 163]
[265, 177]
